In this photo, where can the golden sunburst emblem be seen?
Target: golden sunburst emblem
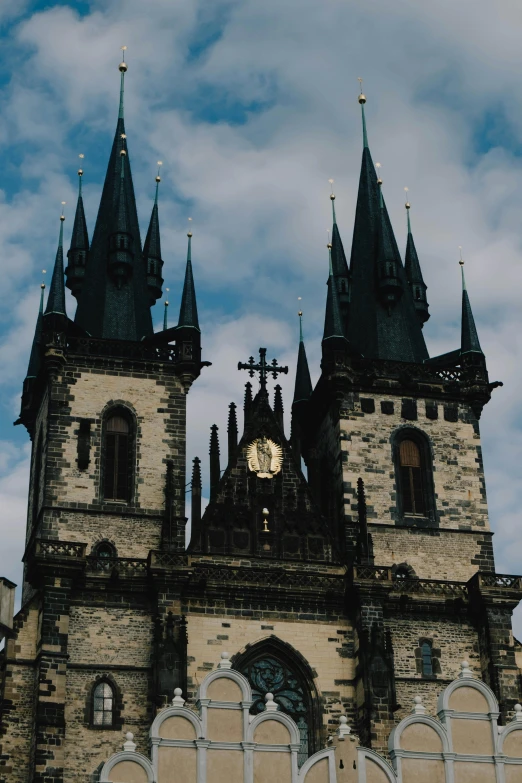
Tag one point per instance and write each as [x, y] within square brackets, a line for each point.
[265, 457]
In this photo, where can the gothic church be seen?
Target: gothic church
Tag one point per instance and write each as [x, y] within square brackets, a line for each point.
[327, 600]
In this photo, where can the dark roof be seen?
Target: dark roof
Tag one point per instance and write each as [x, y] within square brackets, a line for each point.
[188, 312]
[339, 262]
[374, 330]
[80, 235]
[411, 260]
[333, 322]
[303, 382]
[104, 309]
[35, 357]
[469, 341]
[152, 245]
[56, 298]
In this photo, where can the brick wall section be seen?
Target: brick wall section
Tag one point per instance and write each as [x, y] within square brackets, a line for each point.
[432, 553]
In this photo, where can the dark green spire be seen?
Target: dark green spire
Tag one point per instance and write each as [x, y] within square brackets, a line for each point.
[414, 275]
[56, 298]
[78, 253]
[469, 341]
[152, 252]
[35, 358]
[188, 312]
[333, 324]
[303, 382]
[114, 299]
[382, 324]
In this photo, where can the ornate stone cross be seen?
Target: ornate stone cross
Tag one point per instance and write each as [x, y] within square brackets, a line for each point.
[262, 368]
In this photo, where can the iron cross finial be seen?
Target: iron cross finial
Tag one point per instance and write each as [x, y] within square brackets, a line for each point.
[262, 368]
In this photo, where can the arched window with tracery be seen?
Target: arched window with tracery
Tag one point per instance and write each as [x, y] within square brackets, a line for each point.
[414, 476]
[270, 668]
[103, 703]
[118, 456]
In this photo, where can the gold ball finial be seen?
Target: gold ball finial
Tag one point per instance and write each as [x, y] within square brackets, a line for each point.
[407, 205]
[300, 313]
[189, 234]
[166, 302]
[461, 261]
[332, 196]
[362, 97]
[80, 172]
[42, 286]
[123, 65]
[329, 245]
[62, 216]
[158, 178]
[122, 152]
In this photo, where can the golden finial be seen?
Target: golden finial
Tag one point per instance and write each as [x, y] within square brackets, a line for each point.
[123, 65]
[328, 243]
[62, 216]
[332, 194]
[123, 136]
[461, 262]
[299, 312]
[42, 284]
[189, 233]
[407, 205]
[80, 170]
[166, 300]
[362, 97]
[160, 164]
[122, 152]
[265, 520]
[379, 180]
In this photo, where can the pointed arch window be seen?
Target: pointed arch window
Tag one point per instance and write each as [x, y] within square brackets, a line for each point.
[413, 501]
[414, 477]
[118, 456]
[269, 670]
[102, 705]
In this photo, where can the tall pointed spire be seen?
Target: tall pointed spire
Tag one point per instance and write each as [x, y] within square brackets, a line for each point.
[188, 313]
[196, 497]
[114, 298]
[414, 274]
[303, 382]
[56, 298]
[152, 250]
[165, 313]
[215, 468]
[34, 358]
[339, 264]
[278, 406]
[77, 256]
[469, 341]
[333, 324]
[232, 432]
[381, 324]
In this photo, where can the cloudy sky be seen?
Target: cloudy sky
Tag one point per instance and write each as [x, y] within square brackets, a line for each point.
[252, 107]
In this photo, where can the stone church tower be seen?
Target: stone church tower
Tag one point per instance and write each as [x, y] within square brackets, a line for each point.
[346, 592]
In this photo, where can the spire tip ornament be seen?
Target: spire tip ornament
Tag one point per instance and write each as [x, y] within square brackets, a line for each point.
[122, 67]
[362, 97]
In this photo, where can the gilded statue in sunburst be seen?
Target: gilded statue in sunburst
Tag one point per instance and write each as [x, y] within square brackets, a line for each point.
[264, 457]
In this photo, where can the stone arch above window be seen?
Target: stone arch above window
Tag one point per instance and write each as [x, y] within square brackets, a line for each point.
[272, 666]
[118, 454]
[413, 477]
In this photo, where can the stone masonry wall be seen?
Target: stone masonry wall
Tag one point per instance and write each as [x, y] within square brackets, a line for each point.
[458, 476]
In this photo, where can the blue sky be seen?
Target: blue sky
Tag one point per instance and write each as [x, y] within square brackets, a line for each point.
[252, 108]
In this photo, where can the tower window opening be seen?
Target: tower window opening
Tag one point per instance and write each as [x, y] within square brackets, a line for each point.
[117, 459]
[427, 659]
[413, 501]
[103, 705]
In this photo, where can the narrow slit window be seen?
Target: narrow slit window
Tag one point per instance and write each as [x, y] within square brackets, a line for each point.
[117, 481]
[411, 478]
[103, 705]
[427, 660]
